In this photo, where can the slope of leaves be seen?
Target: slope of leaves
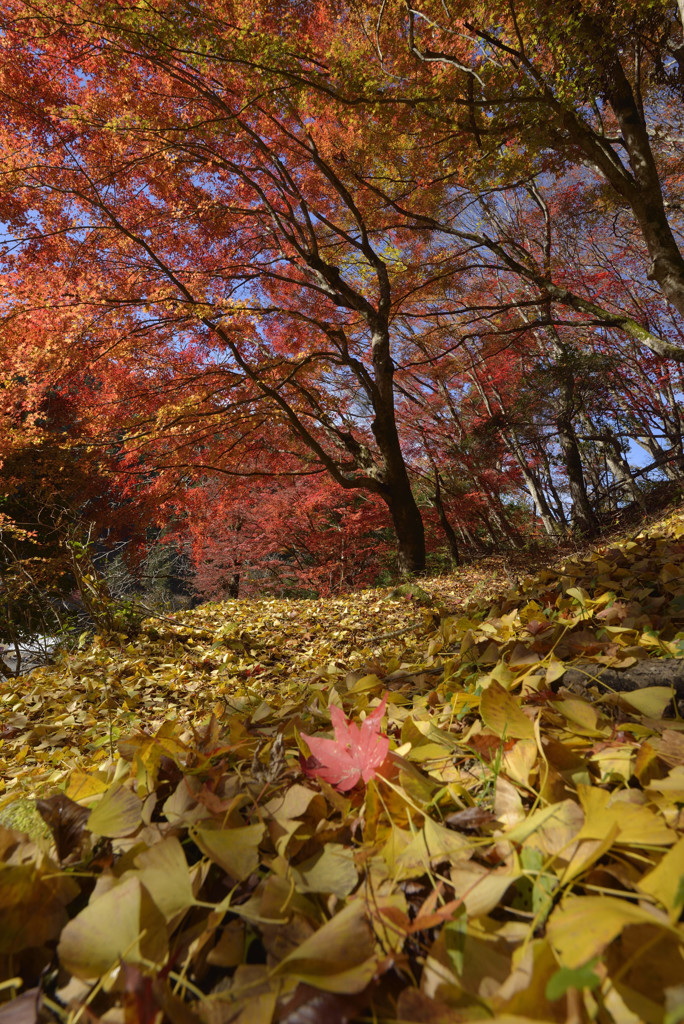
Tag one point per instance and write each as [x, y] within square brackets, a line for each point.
[518, 855]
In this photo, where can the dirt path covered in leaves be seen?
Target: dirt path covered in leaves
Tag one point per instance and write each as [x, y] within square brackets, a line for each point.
[518, 855]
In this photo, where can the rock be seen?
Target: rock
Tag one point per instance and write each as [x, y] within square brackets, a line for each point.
[650, 672]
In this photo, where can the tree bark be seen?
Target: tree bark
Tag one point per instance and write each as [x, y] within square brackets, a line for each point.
[583, 515]
[470, 540]
[447, 528]
[551, 526]
[409, 530]
[619, 467]
[396, 486]
[498, 512]
[644, 191]
[233, 588]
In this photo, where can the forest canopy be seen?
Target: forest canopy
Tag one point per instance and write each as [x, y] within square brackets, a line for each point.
[289, 286]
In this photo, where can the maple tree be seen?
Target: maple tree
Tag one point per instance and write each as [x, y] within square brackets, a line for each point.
[555, 389]
[300, 535]
[253, 277]
[511, 96]
[278, 288]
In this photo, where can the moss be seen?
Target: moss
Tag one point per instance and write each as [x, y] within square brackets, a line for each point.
[21, 815]
[413, 591]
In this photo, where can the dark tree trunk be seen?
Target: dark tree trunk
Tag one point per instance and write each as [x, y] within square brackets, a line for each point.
[396, 489]
[642, 188]
[583, 515]
[233, 585]
[498, 513]
[620, 468]
[409, 530]
[496, 540]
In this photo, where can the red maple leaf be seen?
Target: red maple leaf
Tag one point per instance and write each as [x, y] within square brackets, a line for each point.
[354, 754]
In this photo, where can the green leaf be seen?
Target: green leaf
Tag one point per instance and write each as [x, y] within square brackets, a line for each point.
[580, 978]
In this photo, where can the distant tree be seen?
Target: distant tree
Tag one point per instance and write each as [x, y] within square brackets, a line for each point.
[301, 535]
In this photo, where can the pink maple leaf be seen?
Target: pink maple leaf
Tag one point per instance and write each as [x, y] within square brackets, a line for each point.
[354, 754]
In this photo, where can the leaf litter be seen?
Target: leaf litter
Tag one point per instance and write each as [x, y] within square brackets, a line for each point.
[369, 808]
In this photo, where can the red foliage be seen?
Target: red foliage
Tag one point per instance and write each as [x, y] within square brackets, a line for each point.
[292, 534]
[295, 326]
[355, 754]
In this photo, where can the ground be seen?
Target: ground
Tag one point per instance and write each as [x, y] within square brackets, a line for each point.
[517, 853]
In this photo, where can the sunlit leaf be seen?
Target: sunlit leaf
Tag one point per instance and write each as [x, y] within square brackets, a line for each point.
[666, 881]
[332, 870]
[119, 813]
[163, 870]
[503, 714]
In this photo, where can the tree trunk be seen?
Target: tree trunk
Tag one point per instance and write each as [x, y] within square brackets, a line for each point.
[396, 486]
[496, 541]
[470, 540]
[498, 512]
[233, 584]
[642, 435]
[583, 515]
[233, 588]
[512, 443]
[553, 529]
[447, 528]
[619, 467]
[642, 188]
[409, 530]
